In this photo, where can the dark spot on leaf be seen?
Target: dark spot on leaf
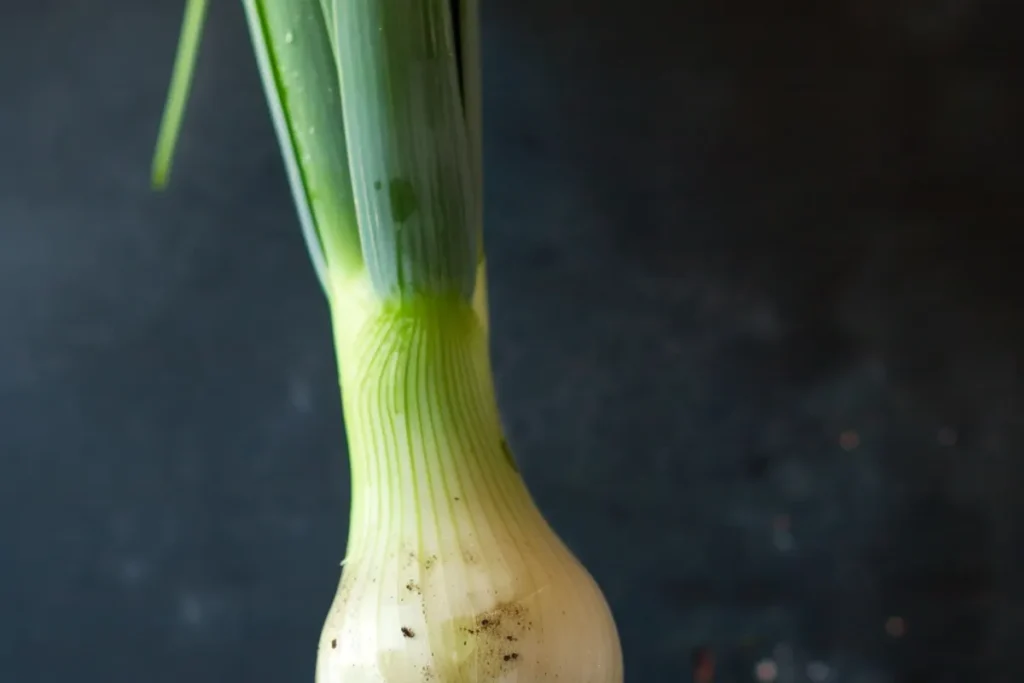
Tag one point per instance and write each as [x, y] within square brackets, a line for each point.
[403, 199]
[334, 643]
[377, 184]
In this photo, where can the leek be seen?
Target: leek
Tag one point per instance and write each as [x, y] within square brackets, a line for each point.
[451, 573]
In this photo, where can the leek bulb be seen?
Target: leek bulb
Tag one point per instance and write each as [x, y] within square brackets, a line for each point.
[451, 573]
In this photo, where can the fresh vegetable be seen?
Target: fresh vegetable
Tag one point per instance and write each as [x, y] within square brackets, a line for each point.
[451, 573]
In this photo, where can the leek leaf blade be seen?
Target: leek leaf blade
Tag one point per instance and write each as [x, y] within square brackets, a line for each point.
[178, 93]
[296, 62]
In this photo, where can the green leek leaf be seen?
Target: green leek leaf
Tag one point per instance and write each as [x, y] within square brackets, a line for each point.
[296, 62]
[177, 97]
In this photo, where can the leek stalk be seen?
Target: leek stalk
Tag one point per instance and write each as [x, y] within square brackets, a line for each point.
[451, 572]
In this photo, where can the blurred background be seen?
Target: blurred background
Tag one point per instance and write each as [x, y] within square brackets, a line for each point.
[755, 282]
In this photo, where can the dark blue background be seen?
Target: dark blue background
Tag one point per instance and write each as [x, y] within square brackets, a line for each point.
[757, 329]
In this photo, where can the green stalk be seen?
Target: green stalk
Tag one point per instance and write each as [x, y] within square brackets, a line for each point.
[295, 56]
[408, 147]
[415, 171]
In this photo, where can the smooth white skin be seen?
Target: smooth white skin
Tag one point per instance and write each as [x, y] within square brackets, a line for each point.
[452, 574]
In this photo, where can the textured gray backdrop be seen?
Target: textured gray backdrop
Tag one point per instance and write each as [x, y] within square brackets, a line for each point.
[757, 324]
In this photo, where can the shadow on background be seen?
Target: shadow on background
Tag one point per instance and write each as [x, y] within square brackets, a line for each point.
[756, 323]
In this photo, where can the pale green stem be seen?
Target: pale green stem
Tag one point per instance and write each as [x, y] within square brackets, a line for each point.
[423, 426]
[412, 338]
[408, 146]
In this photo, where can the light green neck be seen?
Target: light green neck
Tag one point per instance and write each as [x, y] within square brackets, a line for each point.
[425, 438]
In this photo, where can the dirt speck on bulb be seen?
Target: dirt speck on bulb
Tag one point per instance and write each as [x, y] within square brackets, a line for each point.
[485, 646]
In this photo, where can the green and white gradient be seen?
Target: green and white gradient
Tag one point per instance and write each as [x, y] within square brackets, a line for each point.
[451, 573]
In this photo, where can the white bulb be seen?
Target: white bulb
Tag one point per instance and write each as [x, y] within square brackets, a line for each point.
[504, 603]
[452, 575]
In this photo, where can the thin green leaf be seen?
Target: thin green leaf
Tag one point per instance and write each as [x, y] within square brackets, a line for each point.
[177, 97]
[296, 62]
